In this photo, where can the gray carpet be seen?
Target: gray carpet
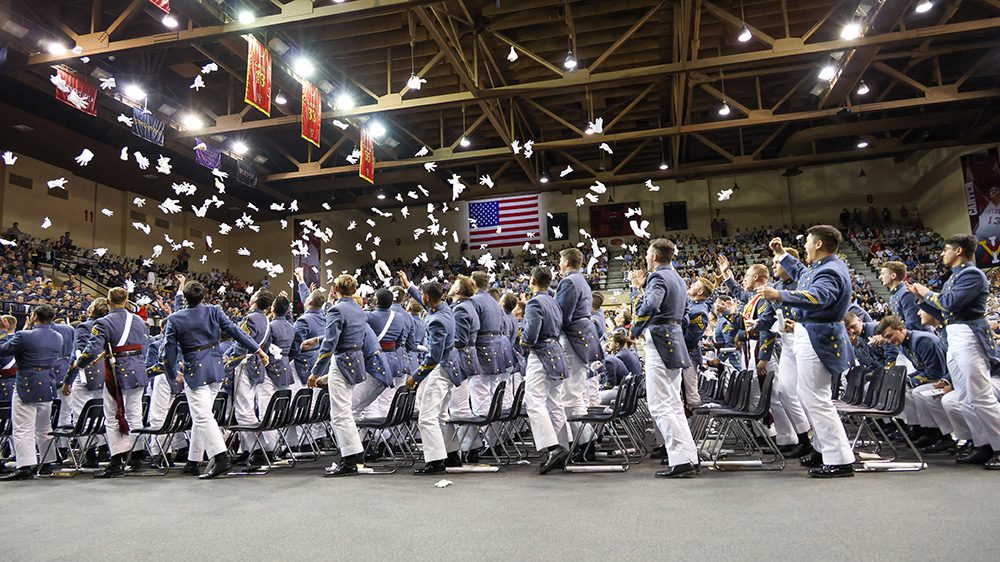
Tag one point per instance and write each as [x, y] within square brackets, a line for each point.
[946, 511]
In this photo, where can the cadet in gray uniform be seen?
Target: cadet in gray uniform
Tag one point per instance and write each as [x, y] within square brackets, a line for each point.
[194, 334]
[122, 337]
[278, 373]
[545, 372]
[81, 385]
[249, 373]
[35, 351]
[658, 319]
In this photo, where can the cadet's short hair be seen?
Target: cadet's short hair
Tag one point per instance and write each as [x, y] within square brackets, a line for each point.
[99, 308]
[383, 298]
[433, 291]
[828, 235]
[346, 285]
[464, 285]
[707, 286]
[626, 316]
[850, 317]
[893, 322]
[280, 306]
[508, 302]
[45, 313]
[573, 257]
[9, 320]
[316, 299]
[897, 267]
[967, 243]
[663, 249]
[793, 252]
[598, 299]
[541, 277]
[264, 298]
[194, 293]
[482, 279]
[760, 269]
[399, 294]
[414, 307]
[118, 296]
[494, 292]
[619, 338]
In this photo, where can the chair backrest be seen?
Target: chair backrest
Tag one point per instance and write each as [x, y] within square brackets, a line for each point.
[625, 390]
[321, 410]
[763, 405]
[871, 394]
[393, 415]
[894, 388]
[631, 399]
[496, 406]
[5, 421]
[54, 413]
[220, 407]
[91, 419]
[178, 416]
[277, 409]
[738, 393]
[855, 388]
[518, 405]
[146, 401]
[301, 407]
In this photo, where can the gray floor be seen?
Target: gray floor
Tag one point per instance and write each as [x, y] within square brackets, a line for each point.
[944, 512]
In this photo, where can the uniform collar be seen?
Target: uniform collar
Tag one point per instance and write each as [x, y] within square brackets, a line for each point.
[662, 267]
[961, 266]
[823, 261]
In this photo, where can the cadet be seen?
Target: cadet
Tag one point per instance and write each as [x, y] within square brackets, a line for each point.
[278, 374]
[658, 319]
[35, 351]
[248, 373]
[822, 348]
[492, 351]
[902, 302]
[466, 361]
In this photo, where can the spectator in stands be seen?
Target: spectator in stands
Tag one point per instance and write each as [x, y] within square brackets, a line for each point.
[13, 233]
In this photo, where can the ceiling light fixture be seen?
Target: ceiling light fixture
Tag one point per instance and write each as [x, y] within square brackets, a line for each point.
[380, 195]
[724, 110]
[56, 48]
[344, 101]
[828, 73]
[745, 34]
[863, 143]
[170, 21]
[924, 7]
[303, 67]
[240, 147]
[133, 91]
[280, 99]
[376, 128]
[246, 17]
[862, 88]
[570, 62]
[191, 121]
[851, 31]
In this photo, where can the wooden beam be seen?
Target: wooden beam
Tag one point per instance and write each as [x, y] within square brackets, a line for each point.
[625, 37]
[737, 23]
[530, 54]
[716, 148]
[124, 17]
[893, 73]
[555, 117]
[715, 93]
[631, 105]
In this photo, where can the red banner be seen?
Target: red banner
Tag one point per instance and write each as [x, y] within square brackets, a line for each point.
[366, 167]
[311, 111]
[258, 76]
[162, 4]
[77, 92]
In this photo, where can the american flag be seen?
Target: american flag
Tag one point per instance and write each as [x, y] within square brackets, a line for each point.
[517, 217]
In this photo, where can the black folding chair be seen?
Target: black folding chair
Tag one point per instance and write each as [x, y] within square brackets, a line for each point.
[298, 416]
[273, 418]
[177, 421]
[400, 410]
[482, 422]
[89, 429]
[744, 427]
[6, 427]
[604, 422]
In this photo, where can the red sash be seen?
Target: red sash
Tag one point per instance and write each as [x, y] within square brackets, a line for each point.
[111, 383]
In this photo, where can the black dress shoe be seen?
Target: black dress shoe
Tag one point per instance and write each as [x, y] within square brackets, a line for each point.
[115, 469]
[241, 459]
[798, 451]
[191, 468]
[585, 453]
[553, 459]
[833, 471]
[658, 453]
[257, 459]
[979, 455]
[678, 471]
[812, 460]
[930, 437]
[218, 466]
[346, 467]
[90, 459]
[994, 463]
[472, 457]
[23, 473]
[45, 469]
[433, 467]
[944, 445]
[453, 460]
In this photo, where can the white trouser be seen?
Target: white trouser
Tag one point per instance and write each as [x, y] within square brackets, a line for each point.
[593, 387]
[244, 398]
[574, 394]
[30, 427]
[159, 403]
[786, 391]
[542, 397]
[345, 431]
[957, 416]
[459, 407]
[132, 399]
[663, 396]
[916, 406]
[265, 391]
[606, 396]
[970, 374]
[830, 438]
[689, 378]
[368, 396]
[931, 406]
[79, 396]
[206, 437]
[437, 435]
[481, 391]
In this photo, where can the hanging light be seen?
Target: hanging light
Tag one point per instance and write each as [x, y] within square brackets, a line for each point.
[240, 147]
[246, 17]
[464, 142]
[413, 82]
[570, 62]
[827, 73]
[744, 35]
[663, 154]
[170, 21]
[724, 109]
[924, 7]
[862, 88]
[544, 178]
[303, 67]
[863, 143]
[376, 128]
[133, 91]
[280, 99]
[192, 121]
[344, 101]
[664, 165]
[380, 195]
[56, 48]
[851, 31]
